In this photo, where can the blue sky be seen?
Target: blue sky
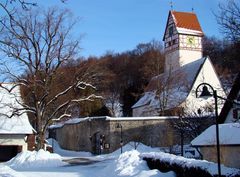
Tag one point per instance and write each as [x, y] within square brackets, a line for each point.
[120, 25]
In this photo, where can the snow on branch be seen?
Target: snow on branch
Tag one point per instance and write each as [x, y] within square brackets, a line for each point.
[83, 85]
[91, 97]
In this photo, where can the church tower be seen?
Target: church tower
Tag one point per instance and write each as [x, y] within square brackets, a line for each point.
[182, 40]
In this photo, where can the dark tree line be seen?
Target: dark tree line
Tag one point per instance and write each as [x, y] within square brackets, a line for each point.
[122, 77]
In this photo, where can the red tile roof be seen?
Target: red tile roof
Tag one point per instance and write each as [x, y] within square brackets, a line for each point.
[187, 20]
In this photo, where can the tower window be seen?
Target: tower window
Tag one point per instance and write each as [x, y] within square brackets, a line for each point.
[170, 31]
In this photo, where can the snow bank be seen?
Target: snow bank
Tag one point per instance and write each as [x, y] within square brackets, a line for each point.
[128, 163]
[131, 164]
[6, 171]
[139, 147]
[185, 162]
[41, 158]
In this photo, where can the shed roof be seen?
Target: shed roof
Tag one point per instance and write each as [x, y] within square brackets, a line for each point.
[17, 124]
[228, 135]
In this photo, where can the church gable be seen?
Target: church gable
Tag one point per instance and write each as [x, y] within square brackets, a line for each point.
[205, 106]
[170, 28]
[172, 87]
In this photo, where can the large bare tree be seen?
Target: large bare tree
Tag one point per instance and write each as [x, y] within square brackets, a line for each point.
[36, 45]
[228, 17]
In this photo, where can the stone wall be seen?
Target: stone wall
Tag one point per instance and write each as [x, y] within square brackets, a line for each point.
[103, 134]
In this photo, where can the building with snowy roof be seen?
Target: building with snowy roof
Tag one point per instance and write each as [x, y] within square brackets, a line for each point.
[15, 130]
[229, 144]
[185, 68]
[231, 110]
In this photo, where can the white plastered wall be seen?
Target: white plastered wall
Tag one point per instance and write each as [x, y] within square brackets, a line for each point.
[172, 61]
[206, 75]
[14, 140]
[178, 58]
[188, 56]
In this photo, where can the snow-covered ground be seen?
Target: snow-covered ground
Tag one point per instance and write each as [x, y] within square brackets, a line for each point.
[44, 164]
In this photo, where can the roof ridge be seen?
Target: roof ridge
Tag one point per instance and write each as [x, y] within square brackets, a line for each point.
[183, 12]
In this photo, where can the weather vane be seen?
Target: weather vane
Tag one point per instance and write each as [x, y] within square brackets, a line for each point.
[171, 5]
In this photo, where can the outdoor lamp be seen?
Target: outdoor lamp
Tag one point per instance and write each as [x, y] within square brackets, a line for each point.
[205, 93]
[121, 139]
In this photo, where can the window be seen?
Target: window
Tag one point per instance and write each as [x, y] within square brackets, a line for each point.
[236, 113]
[174, 41]
[170, 31]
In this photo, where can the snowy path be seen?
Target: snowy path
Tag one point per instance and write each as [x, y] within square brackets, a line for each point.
[76, 167]
[69, 171]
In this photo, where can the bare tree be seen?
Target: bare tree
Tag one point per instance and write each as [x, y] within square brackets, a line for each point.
[228, 18]
[39, 44]
[171, 86]
[112, 100]
[190, 125]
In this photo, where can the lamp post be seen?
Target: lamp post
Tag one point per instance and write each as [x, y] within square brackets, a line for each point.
[205, 93]
[121, 140]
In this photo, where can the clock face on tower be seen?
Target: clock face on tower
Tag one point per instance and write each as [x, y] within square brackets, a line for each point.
[190, 41]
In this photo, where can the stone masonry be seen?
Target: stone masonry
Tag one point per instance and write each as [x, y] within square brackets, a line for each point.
[106, 134]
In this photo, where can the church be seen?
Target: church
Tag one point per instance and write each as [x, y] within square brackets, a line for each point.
[174, 91]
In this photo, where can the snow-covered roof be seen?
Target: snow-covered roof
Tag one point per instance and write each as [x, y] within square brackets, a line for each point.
[228, 135]
[233, 95]
[78, 120]
[179, 84]
[8, 101]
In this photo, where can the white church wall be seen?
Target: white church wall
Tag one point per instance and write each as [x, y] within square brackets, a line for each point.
[206, 75]
[171, 61]
[176, 59]
[188, 56]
